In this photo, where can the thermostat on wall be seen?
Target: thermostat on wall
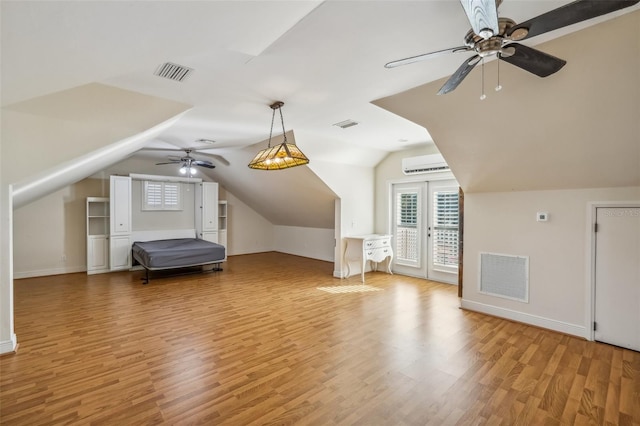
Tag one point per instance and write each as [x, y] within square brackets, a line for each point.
[542, 216]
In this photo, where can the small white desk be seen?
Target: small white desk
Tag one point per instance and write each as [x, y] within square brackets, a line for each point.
[373, 247]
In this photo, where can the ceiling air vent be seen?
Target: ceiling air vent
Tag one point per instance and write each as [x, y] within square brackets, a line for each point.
[173, 71]
[346, 124]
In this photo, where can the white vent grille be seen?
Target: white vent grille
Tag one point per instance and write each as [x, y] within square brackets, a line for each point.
[346, 124]
[173, 71]
[505, 276]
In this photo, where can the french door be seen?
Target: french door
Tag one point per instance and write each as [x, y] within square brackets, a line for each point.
[425, 228]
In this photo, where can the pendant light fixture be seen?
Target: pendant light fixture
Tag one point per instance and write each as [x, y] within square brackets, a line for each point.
[281, 156]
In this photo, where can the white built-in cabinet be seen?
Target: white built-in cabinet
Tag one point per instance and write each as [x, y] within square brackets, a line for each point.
[97, 235]
[207, 211]
[120, 220]
[109, 223]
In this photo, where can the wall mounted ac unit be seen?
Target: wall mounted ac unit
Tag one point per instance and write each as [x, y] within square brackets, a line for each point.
[424, 164]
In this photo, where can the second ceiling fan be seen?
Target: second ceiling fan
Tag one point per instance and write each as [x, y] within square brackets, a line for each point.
[188, 163]
[490, 35]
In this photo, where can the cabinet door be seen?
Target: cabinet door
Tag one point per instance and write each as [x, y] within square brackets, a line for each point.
[97, 254]
[209, 206]
[210, 236]
[120, 205]
[120, 253]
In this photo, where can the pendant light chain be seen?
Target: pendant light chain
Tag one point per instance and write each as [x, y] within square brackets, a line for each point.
[273, 116]
[284, 133]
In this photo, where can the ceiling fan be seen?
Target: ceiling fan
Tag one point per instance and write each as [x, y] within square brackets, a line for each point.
[490, 35]
[187, 161]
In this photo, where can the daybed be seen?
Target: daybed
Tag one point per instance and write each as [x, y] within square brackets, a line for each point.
[176, 253]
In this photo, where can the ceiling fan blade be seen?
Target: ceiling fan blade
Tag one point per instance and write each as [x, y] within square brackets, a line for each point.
[168, 162]
[483, 17]
[569, 14]
[459, 75]
[426, 56]
[218, 158]
[532, 60]
[162, 149]
[207, 164]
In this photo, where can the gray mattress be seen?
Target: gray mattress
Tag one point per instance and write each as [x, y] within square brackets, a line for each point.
[177, 253]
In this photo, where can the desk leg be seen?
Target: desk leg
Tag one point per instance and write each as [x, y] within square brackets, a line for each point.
[364, 263]
[348, 267]
[389, 260]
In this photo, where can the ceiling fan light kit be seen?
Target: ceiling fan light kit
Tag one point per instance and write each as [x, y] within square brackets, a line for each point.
[490, 35]
[283, 156]
[188, 163]
[185, 168]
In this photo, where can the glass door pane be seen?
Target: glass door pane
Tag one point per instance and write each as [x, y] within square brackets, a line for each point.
[408, 228]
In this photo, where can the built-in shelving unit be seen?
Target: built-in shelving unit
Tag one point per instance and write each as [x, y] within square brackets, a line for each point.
[222, 223]
[97, 235]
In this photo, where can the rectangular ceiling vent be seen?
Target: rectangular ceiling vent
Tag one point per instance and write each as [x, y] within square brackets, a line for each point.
[346, 124]
[424, 164]
[173, 71]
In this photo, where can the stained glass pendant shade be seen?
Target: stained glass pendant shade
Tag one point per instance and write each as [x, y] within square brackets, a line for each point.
[282, 156]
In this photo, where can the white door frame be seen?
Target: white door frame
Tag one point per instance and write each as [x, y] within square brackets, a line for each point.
[591, 274]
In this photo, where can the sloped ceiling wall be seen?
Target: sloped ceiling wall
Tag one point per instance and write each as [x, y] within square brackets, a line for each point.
[578, 128]
[55, 140]
[291, 197]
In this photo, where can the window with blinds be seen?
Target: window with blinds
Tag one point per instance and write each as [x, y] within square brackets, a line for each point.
[407, 227]
[445, 231]
[161, 196]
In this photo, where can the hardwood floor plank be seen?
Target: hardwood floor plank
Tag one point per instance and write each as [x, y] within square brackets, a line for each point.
[259, 344]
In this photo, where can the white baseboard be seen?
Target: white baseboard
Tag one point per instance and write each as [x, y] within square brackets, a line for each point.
[548, 323]
[45, 272]
[8, 346]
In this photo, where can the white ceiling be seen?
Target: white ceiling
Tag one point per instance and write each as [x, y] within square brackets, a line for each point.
[323, 59]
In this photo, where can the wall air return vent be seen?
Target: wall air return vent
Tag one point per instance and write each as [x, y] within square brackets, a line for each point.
[505, 276]
[173, 71]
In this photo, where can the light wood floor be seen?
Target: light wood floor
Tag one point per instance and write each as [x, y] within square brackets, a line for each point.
[259, 344]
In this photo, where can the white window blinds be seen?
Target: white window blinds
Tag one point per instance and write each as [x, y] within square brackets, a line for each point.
[161, 196]
[445, 228]
[407, 226]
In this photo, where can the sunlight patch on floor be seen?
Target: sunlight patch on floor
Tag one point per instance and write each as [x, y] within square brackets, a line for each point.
[349, 289]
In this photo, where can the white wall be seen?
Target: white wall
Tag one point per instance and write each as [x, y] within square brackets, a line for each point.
[355, 187]
[247, 231]
[145, 220]
[50, 233]
[315, 243]
[558, 250]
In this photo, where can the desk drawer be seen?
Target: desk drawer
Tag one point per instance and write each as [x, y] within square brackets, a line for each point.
[373, 244]
[378, 254]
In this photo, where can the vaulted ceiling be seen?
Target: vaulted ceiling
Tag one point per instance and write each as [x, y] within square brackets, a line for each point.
[324, 59]
[578, 128]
